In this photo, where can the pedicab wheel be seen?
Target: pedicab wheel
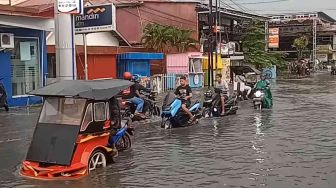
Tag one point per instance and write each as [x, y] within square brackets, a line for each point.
[124, 143]
[97, 160]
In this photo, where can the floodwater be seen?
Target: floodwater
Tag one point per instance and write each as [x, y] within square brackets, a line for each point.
[292, 145]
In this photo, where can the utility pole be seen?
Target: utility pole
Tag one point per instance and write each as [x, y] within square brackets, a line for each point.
[65, 45]
[314, 39]
[216, 24]
[210, 45]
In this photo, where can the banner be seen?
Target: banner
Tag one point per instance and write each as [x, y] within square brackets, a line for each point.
[70, 6]
[273, 38]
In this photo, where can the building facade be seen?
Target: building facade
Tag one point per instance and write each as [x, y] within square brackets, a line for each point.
[23, 54]
[318, 27]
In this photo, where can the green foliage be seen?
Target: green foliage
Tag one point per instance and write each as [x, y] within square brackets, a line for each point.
[300, 44]
[253, 43]
[165, 38]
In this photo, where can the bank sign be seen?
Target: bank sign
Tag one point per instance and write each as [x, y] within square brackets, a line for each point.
[96, 19]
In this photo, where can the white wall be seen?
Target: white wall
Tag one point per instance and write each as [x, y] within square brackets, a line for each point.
[93, 39]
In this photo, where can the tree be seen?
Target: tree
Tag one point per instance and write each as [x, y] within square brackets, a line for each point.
[156, 37]
[164, 38]
[300, 44]
[253, 43]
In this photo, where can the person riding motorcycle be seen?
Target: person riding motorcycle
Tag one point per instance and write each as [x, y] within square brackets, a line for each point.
[115, 117]
[264, 84]
[185, 94]
[248, 89]
[222, 87]
[133, 95]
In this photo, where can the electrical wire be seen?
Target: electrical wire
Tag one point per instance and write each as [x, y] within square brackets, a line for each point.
[261, 2]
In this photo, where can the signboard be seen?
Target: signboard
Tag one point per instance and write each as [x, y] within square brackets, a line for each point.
[322, 57]
[227, 49]
[96, 19]
[324, 48]
[273, 38]
[70, 6]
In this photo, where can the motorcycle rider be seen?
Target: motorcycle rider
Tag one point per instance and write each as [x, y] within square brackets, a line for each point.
[264, 84]
[115, 118]
[242, 79]
[185, 94]
[134, 96]
[223, 86]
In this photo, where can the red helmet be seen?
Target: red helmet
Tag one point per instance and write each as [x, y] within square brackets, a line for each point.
[127, 76]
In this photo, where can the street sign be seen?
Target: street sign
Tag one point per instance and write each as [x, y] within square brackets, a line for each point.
[70, 6]
[96, 19]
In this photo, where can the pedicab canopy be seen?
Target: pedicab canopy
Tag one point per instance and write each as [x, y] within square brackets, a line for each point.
[86, 89]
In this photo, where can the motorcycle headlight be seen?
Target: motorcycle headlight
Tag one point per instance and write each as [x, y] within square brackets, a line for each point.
[258, 94]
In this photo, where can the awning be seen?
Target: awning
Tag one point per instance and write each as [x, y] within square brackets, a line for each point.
[27, 22]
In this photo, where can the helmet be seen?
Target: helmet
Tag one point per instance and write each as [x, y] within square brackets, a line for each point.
[127, 76]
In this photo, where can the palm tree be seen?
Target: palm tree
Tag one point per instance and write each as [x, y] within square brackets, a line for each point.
[163, 38]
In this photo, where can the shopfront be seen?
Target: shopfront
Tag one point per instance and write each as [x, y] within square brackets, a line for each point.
[23, 64]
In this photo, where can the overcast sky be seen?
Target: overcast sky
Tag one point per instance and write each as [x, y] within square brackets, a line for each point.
[285, 6]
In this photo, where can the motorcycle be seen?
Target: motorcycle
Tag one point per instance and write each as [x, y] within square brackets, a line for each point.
[333, 71]
[173, 115]
[258, 99]
[213, 106]
[122, 139]
[150, 109]
[3, 96]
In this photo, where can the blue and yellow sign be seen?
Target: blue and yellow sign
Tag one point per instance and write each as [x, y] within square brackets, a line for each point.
[96, 19]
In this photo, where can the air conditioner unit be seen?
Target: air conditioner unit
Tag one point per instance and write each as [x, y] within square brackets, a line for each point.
[6, 40]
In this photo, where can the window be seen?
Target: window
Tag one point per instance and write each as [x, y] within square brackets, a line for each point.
[25, 61]
[100, 111]
[195, 65]
[66, 111]
[107, 111]
[88, 118]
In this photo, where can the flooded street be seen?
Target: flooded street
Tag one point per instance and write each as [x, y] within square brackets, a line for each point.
[292, 145]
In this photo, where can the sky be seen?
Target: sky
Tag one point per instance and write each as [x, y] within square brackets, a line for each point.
[284, 6]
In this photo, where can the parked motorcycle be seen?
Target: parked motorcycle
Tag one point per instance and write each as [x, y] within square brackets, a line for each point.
[173, 116]
[213, 106]
[3, 96]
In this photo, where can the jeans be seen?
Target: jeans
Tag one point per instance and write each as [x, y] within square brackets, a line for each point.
[139, 102]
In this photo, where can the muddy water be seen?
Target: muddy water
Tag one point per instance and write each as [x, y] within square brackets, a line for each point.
[292, 145]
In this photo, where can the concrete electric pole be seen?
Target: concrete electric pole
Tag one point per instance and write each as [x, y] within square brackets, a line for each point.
[64, 45]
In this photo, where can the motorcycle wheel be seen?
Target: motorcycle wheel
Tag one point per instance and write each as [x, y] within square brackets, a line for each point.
[124, 143]
[206, 113]
[166, 124]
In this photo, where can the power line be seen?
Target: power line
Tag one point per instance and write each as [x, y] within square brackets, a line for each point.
[261, 2]
[239, 6]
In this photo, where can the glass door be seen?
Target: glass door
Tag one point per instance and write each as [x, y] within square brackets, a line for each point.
[25, 66]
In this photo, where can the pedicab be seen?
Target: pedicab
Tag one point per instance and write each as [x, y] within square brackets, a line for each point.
[73, 135]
